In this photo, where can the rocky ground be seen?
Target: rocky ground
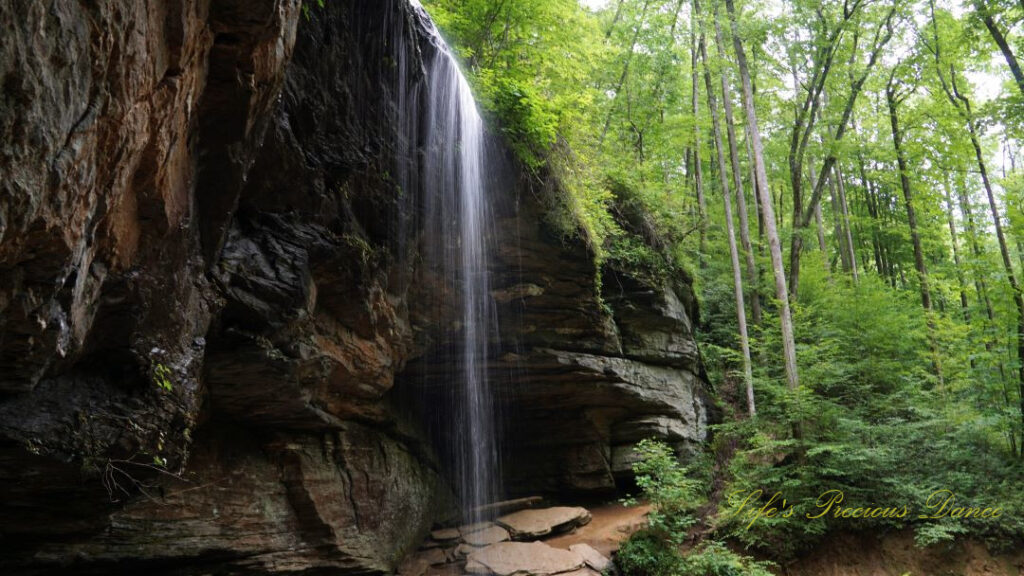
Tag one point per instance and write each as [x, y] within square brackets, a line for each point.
[540, 541]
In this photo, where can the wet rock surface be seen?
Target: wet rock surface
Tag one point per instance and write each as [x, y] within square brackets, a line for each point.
[507, 558]
[557, 540]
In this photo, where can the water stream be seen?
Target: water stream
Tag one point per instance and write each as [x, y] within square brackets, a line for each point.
[454, 178]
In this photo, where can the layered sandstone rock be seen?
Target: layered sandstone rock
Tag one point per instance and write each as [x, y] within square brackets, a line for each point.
[210, 284]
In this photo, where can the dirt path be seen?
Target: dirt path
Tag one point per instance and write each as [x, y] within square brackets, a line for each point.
[609, 526]
[896, 555]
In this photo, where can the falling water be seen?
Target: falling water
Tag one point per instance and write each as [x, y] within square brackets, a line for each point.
[457, 219]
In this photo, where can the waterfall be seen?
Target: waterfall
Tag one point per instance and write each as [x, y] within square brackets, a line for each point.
[453, 177]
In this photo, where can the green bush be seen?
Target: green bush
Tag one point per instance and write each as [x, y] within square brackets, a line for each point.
[714, 559]
[648, 553]
[665, 484]
[528, 122]
[674, 492]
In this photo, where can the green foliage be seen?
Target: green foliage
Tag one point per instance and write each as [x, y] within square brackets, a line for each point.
[648, 553]
[162, 377]
[714, 559]
[875, 423]
[576, 205]
[666, 485]
[529, 125]
[305, 8]
[674, 492]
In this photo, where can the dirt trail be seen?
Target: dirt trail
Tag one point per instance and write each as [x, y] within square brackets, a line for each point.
[896, 555]
[609, 526]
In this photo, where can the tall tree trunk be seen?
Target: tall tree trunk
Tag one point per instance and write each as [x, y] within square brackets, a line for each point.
[1000, 40]
[869, 201]
[821, 236]
[698, 177]
[837, 224]
[972, 235]
[757, 197]
[625, 73]
[961, 281]
[845, 209]
[615, 20]
[901, 160]
[775, 248]
[737, 278]
[820, 225]
[919, 264]
[737, 178]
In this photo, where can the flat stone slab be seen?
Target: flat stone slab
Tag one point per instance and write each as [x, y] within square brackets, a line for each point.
[470, 528]
[532, 524]
[533, 558]
[585, 571]
[463, 550]
[592, 557]
[487, 536]
[446, 535]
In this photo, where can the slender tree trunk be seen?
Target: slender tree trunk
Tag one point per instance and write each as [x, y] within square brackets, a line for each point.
[757, 197]
[869, 202]
[961, 281]
[980, 286]
[822, 246]
[837, 224]
[625, 73]
[845, 208]
[915, 238]
[775, 248]
[615, 20]
[662, 73]
[737, 278]
[737, 178]
[1000, 40]
[698, 177]
[901, 160]
[821, 236]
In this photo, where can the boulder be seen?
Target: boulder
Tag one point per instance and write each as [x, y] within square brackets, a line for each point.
[487, 536]
[592, 557]
[535, 558]
[446, 535]
[533, 524]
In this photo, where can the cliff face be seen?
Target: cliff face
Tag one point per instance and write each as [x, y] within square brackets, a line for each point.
[217, 336]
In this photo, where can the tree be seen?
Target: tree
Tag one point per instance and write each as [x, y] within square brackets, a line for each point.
[723, 173]
[761, 174]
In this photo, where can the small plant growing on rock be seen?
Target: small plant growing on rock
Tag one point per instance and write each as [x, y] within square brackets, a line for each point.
[162, 377]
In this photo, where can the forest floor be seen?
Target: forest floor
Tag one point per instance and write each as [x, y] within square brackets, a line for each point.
[896, 555]
[610, 525]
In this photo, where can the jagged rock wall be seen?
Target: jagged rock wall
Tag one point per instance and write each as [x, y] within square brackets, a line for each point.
[210, 284]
